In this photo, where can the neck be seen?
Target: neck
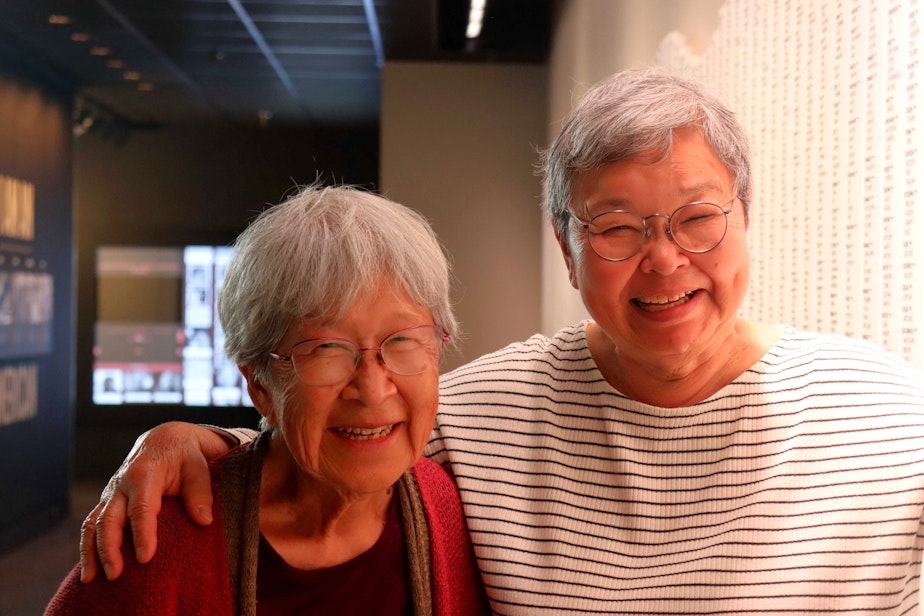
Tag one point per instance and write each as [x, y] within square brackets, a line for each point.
[684, 379]
[310, 524]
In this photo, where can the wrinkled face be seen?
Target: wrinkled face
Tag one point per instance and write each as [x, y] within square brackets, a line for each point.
[663, 301]
[360, 435]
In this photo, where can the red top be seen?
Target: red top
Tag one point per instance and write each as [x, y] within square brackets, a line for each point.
[375, 582]
[189, 574]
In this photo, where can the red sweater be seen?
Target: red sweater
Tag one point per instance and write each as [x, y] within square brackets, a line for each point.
[189, 573]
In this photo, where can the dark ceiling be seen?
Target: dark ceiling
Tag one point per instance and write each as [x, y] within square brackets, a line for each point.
[278, 62]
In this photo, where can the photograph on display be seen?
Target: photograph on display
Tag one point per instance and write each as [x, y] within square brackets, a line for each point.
[157, 338]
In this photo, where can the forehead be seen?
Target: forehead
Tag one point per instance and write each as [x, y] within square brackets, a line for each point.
[690, 171]
[377, 309]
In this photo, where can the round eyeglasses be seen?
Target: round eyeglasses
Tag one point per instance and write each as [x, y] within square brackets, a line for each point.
[328, 361]
[619, 235]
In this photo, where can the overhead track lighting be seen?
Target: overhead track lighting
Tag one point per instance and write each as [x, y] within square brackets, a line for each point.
[475, 18]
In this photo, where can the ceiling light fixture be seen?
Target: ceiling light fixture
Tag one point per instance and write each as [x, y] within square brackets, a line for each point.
[99, 51]
[59, 20]
[80, 37]
[145, 86]
[115, 63]
[131, 75]
[475, 17]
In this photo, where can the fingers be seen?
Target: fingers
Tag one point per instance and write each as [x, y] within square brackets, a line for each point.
[101, 536]
[167, 460]
[89, 562]
[196, 489]
[110, 531]
[142, 516]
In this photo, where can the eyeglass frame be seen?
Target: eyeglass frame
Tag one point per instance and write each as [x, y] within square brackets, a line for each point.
[648, 228]
[443, 339]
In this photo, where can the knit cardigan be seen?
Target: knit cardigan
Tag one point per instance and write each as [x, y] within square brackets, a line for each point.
[212, 570]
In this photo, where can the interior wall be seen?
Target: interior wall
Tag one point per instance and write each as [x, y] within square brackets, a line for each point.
[36, 298]
[458, 144]
[591, 40]
[829, 94]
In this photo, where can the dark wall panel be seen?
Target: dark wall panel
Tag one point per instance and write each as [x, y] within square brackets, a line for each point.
[36, 299]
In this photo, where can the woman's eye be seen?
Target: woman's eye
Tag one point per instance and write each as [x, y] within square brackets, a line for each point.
[401, 341]
[620, 230]
[330, 348]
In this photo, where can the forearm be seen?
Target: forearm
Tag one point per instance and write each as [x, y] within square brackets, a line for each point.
[231, 436]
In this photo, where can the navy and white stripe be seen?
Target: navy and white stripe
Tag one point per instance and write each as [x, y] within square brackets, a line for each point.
[798, 488]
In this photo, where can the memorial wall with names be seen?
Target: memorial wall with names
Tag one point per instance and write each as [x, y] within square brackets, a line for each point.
[830, 93]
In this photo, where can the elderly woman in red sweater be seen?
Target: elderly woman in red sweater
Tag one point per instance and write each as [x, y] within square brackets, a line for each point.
[335, 307]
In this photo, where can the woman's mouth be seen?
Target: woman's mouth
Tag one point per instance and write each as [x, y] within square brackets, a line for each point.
[658, 303]
[365, 434]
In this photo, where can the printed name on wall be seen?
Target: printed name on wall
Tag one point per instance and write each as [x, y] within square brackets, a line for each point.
[17, 208]
[18, 393]
[26, 300]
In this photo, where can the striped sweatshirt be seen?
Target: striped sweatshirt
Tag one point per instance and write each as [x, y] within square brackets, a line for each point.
[796, 489]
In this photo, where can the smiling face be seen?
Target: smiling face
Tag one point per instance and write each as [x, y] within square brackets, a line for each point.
[663, 307]
[359, 436]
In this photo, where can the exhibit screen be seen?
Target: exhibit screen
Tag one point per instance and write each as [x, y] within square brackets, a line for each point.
[157, 335]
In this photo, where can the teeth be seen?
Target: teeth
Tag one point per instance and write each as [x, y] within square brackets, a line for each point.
[366, 434]
[663, 299]
[656, 303]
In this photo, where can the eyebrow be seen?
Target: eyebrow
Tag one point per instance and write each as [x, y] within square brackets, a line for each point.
[687, 195]
[615, 204]
[699, 189]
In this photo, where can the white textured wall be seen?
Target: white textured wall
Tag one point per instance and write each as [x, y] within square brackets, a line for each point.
[829, 91]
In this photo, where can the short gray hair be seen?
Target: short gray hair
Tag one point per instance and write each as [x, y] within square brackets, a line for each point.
[633, 113]
[312, 256]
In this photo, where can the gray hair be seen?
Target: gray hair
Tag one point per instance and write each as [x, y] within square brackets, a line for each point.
[632, 113]
[312, 256]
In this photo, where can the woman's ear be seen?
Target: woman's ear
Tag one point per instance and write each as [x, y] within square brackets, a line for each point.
[746, 208]
[569, 258]
[261, 396]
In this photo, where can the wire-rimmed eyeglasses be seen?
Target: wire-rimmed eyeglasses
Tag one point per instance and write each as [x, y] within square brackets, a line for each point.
[618, 235]
[328, 361]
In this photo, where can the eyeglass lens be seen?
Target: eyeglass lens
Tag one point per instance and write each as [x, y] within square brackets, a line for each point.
[327, 361]
[695, 227]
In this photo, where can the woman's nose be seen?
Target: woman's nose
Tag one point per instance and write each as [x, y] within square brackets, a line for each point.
[372, 381]
[660, 253]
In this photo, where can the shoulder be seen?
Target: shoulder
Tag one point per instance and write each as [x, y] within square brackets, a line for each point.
[488, 400]
[796, 347]
[538, 354]
[176, 532]
[433, 480]
[438, 493]
[839, 364]
[185, 551]
[457, 587]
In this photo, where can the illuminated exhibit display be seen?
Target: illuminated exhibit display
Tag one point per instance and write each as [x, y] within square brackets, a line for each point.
[157, 335]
